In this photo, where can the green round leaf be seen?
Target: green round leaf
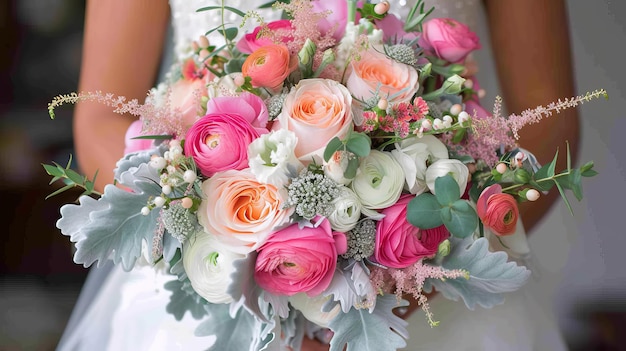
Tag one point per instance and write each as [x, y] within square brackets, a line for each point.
[447, 190]
[333, 145]
[424, 212]
[359, 144]
[463, 219]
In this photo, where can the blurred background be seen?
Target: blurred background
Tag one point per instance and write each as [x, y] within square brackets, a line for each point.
[581, 257]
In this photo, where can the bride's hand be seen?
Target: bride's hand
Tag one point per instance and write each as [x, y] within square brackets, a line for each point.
[313, 345]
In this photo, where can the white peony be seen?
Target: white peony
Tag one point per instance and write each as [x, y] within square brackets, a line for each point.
[347, 211]
[413, 154]
[272, 159]
[379, 180]
[209, 264]
[440, 168]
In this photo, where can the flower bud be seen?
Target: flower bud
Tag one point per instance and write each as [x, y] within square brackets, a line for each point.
[501, 168]
[456, 109]
[203, 42]
[305, 56]
[521, 176]
[381, 8]
[453, 85]
[529, 194]
[444, 248]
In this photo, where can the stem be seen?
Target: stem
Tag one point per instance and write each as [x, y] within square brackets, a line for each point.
[352, 11]
[515, 186]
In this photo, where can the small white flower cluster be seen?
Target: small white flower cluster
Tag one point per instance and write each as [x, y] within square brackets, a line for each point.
[176, 171]
[447, 121]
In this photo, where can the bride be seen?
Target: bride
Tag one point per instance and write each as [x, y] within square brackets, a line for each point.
[120, 311]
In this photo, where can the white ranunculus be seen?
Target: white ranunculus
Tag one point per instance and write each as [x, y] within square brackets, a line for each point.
[209, 264]
[311, 308]
[272, 159]
[440, 168]
[347, 211]
[336, 167]
[379, 180]
[223, 86]
[412, 154]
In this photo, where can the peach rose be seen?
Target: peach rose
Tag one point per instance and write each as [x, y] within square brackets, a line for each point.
[316, 110]
[497, 211]
[240, 211]
[268, 66]
[185, 96]
[396, 81]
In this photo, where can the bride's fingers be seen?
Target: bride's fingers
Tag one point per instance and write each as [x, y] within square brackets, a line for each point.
[313, 345]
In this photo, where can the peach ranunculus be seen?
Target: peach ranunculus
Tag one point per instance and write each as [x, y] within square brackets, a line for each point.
[316, 110]
[240, 211]
[375, 71]
[497, 211]
[448, 39]
[268, 66]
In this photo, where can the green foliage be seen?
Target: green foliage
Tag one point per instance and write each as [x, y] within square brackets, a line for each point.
[71, 179]
[356, 144]
[367, 12]
[428, 211]
[359, 330]
[416, 16]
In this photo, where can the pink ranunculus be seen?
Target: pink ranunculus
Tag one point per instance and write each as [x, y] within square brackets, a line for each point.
[280, 29]
[246, 104]
[241, 211]
[134, 145]
[295, 260]
[316, 110]
[395, 81]
[336, 19]
[399, 244]
[219, 141]
[448, 39]
[498, 211]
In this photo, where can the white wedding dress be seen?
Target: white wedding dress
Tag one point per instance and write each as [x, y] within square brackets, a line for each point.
[126, 310]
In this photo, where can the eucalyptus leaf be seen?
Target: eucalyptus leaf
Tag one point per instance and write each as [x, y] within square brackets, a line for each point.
[351, 169]
[333, 146]
[547, 171]
[463, 219]
[229, 33]
[360, 330]
[359, 144]
[447, 190]
[490, 274]
[228, 8]
[424, 211]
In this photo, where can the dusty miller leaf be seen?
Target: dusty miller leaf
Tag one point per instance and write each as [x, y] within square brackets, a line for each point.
[490, 274]
[361, 330]
[351, 287]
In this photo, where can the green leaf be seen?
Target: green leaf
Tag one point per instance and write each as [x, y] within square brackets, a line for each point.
[53, 170]
[154, 137]
[359, 144]
[65, 188]
[353, 166]
[589, 173]
[231, 9]
[575, 179]
[229, 33]
[458, 136]
[447, 190]
[424, 212]
[333, 145]
[361, 330]
[74, 176]
[547, 171]
[562, 192]
[463, 219]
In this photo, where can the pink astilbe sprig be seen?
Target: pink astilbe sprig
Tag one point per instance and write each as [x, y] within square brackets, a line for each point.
[531, 116]
[410, 280]
[305, 26]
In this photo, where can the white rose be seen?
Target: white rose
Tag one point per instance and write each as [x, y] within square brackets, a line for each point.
[209, 264]
[336, 167]
[379, 180]
[440, 168]
[412, 154]
[311, 308]
[347, 211]
[272, 159]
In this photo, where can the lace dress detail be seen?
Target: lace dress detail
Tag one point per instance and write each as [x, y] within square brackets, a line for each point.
[189, 24]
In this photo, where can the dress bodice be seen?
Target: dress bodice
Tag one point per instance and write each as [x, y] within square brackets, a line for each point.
[189, 25]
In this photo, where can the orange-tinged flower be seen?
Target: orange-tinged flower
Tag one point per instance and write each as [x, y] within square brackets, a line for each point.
[268, 66]
[497, 210]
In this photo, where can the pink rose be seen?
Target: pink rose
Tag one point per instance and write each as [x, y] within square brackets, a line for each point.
[399, 244]
[280, 29]
[134, 145]
[497, 211]
[219, 141]
[294, 260]
[316, 110]
[395, 81]
[185, 96]
[240, 211]
[448, 39]
[473, 106]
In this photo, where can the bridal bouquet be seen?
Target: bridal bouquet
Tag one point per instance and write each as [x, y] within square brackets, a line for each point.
[305, 177]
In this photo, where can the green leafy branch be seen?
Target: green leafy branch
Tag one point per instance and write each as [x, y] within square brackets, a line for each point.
[569, 179]
[445, 207]
[357, 144]
[229, 33]
[70, 178]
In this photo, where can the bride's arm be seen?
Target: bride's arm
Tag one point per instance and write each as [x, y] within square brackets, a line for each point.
[122, 46]
[531, 45]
